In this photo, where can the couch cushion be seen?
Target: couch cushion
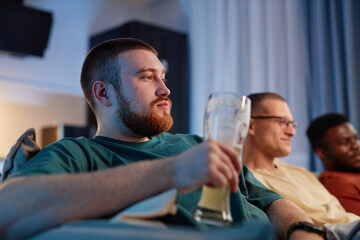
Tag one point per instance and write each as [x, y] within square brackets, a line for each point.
[23, 150]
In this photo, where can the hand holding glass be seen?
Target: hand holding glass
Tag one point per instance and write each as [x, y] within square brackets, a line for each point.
[226, 120]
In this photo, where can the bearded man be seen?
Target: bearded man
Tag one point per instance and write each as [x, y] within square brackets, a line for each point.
[132, 158]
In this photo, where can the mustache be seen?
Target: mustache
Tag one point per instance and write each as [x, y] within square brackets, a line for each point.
[355, 153]
[160, 99]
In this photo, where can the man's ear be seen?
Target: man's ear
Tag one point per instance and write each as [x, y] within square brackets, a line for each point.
[321, 152]
[251, 127]
[101, 93]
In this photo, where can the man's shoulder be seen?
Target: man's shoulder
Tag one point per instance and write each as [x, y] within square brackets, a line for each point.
[67, 155]
[71, 141]
[78, 146]
[339, 176]
[182, 136]
[291, 168]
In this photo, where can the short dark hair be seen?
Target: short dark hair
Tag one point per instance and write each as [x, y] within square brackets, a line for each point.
[258, 98]
[101, 63]
[318, 127]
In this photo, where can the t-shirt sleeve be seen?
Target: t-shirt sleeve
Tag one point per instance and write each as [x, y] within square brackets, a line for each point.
[255, 192]
[64, 156]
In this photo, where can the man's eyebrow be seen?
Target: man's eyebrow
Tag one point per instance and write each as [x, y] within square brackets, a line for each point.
[149, 70]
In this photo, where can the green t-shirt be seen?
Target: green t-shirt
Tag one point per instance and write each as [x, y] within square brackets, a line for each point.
[80, 155]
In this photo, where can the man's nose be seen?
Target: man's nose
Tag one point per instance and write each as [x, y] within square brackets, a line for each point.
[162, 90]
[290, 130]
[355, 144]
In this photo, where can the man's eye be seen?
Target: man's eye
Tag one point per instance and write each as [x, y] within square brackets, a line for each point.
[164, 80]
[283, 120]
[346, 142]
[148, 77]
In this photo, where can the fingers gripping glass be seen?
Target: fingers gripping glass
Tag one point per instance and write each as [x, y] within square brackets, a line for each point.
[284, 122]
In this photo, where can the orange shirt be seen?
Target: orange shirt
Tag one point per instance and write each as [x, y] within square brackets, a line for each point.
[345, 186]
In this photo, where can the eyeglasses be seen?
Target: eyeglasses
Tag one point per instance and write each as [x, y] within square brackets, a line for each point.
[284, 122]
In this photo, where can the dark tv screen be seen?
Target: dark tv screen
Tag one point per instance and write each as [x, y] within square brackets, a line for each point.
[23, 30]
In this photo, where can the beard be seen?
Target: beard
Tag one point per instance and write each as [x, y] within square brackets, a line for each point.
[142, 124]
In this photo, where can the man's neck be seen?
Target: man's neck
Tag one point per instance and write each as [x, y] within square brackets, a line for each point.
[257, 160]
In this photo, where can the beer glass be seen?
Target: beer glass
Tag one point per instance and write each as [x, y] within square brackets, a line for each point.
[226, 120]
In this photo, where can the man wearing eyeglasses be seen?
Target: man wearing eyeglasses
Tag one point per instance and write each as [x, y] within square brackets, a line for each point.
[271, 129]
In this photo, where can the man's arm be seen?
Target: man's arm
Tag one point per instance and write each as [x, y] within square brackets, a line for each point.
[283, 213]
[31, 204]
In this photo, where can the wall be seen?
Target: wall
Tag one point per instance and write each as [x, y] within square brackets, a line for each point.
[36, 91]
[36, 108]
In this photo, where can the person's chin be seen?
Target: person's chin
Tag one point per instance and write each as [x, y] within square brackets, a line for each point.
[355, 164]
[355, 168]
[163, 113]
[285, 152]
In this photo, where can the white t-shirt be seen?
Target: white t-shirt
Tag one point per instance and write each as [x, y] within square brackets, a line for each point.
[302, 188]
